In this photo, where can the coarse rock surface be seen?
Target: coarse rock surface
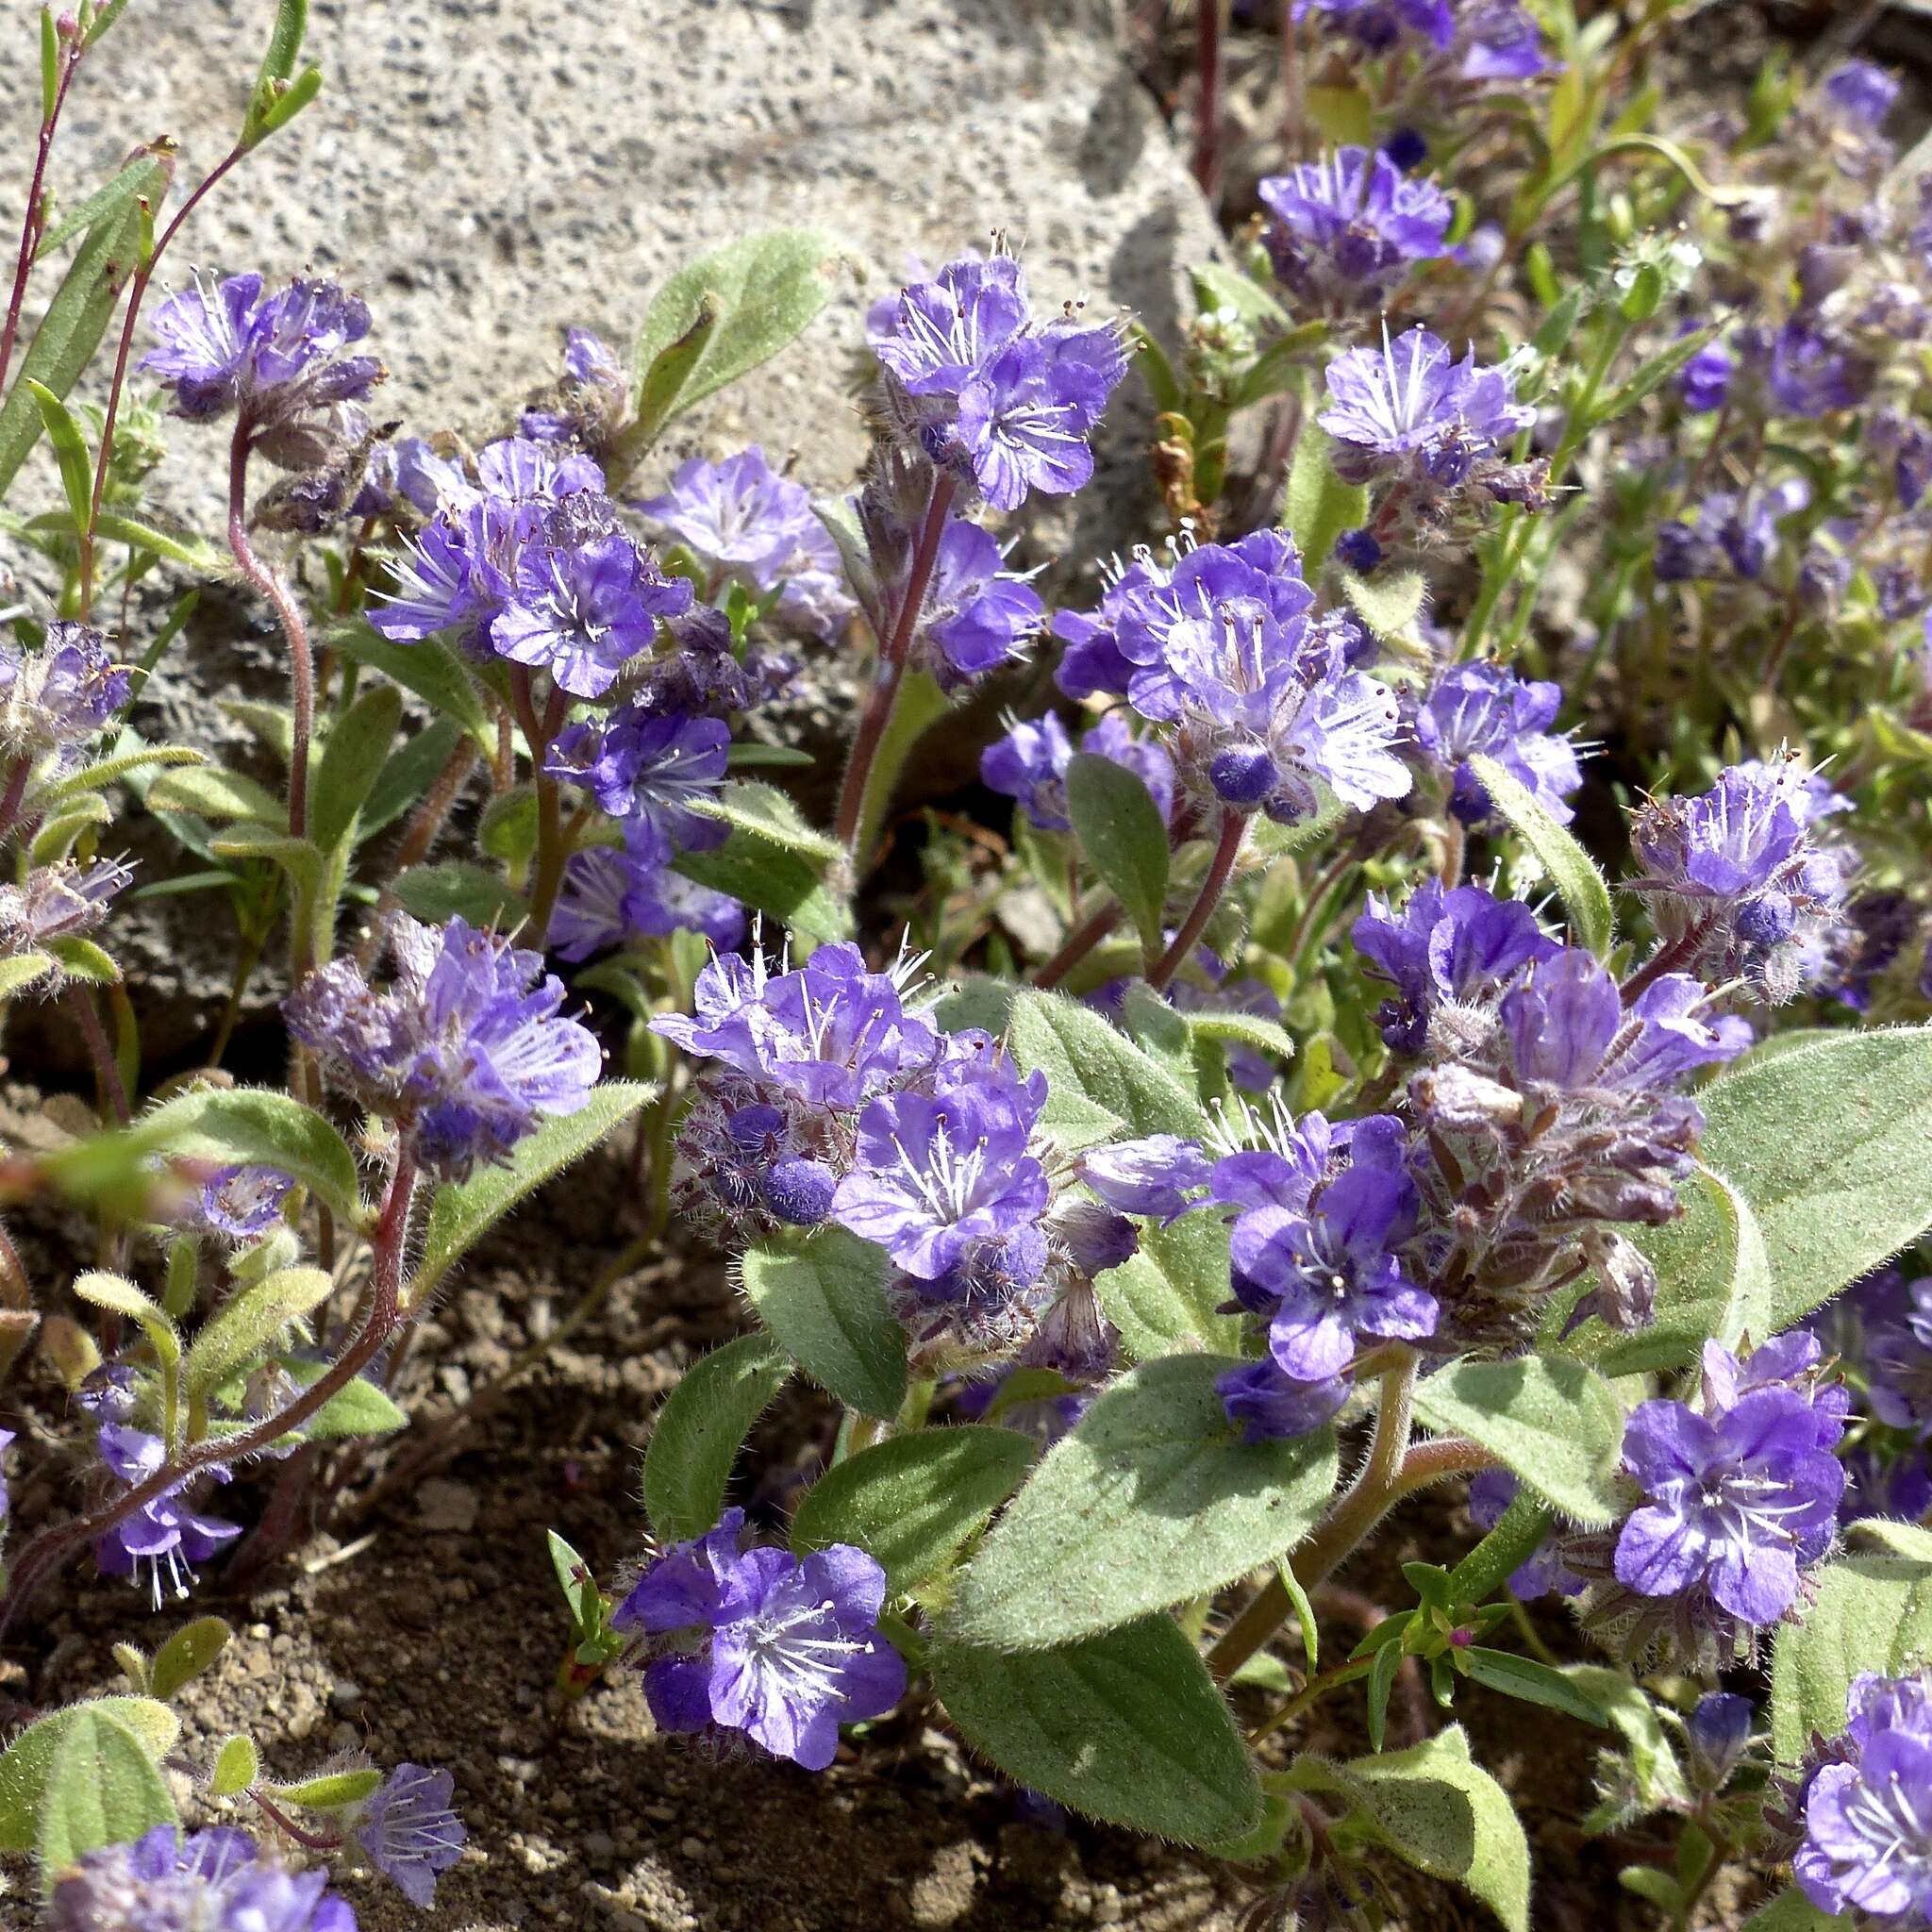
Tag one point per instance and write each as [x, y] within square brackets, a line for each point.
[489, 171]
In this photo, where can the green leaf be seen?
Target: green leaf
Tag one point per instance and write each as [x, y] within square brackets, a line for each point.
[1151, 1499]
[1244, 1029]
[187, 1655]
[1124, 838]
[1075, 1123]
[770, 879]
[765, 289]
[1792, 1912]
[57, 837]
[671, 370]
[1873, 1612]
[238, 1126]
[1344, 115]
[454, 888]
[824, 1299]
[921, 703]
[1165, 1299]
[463, 1211]
[173, 547]
[1216, 287]
[116, 1292]
[210, 793]
[70, 451]
[1279, 367]
[28, 1762]
[1831, 1144]
[911, 1501]
[358, 743]
[331, 1791]
[23, 970]
[76, 317]
[1388, 603]
[1585, 898]
[1523, 1679]
[700, 1429]
[430, 669]
[81, 958]
[359, 1407]
[407, 776]
[299, 858]
[1647, 1744]
[1078, 1049]
[96, 777]
[251, 1317]
[1713, 1281]
[769, 814]
[1440, 1814]
[1125, 1727]
[102, 1789]
[267, 104]
[237, 1767]
[1554, 1421]
[1318, 505]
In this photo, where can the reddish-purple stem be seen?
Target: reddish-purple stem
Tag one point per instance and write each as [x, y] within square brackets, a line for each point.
[34, 224]
[1227, 847]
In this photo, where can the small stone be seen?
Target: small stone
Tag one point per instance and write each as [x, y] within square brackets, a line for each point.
[599, 1846]
[447, 1506]
[345, 1696]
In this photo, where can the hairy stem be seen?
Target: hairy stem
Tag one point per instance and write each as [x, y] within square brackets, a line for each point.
[551, 846]
[301, 661]
[80, 1002]
[891, 671]
[33, 224]
[418, 835]
[16, 790]
[1234, 826]
[1665, 959]
[1078, 944]
[389, 1242]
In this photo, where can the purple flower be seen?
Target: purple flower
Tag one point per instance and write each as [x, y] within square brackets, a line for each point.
[409, 1832]
[208, 1881]
[740, 516]
[976, 615]
[1002, 403]
[1811, 374]
[278, 360]
[464, 1050]
[643, 764]
[1868, 1816]
[614, 895]
[1734, 1503]
[1499, 40]
[1347, 231]
[760, 1643]
[1860, 92]
[1481, 708]
[166, 1534]
[831, 1034]
[1410, 406]
[583, 603]
[65, 900]
[1736, 883]
[1443, 948]
[58, 697]
[242, 1203]
[590, 400]
[1727, 536]
[1265, 706]
[1543, 1572]
[941, 1176]
[1271, 1407]
[1031, 763]
[1327, 1276]
[1718, 1732]
[1704, 381]
[1160, 1176]
[1093, 664]
[1893, 1322]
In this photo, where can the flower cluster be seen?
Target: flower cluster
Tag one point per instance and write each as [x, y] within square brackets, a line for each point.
[54, 699]
[206, 1881]
[1347, 231]
[996, 399]
[1261, 705]
[465, 1050]
[168, 1536]
[755, 1644]
[1030, 764]
[1482, 708]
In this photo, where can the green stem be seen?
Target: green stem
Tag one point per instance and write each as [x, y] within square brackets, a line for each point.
[552, 848]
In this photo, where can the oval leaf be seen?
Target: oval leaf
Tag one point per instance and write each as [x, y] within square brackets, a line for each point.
[1554, 1421]
[1153, 1498]
[1127, 1727]
[251, 1317]
[1124, 838]
[824, 1299]
[911, 1501]
[26, 1763]
[102, 1789]
[700, 1430]
[1585, 896]
[187, 1654]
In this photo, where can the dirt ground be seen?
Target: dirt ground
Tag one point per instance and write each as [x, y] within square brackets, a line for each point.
[427, 1626]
